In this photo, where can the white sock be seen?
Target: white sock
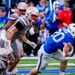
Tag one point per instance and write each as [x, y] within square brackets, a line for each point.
[15, 70]
[8, 73]
[62, 73]
[11, 73]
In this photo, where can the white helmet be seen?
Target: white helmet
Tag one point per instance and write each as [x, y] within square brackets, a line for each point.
[31, 11]
[56, 4]
[5, 54]
[71, 27]
[22, 6]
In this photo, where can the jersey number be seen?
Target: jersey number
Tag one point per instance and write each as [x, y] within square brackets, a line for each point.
[58, 36]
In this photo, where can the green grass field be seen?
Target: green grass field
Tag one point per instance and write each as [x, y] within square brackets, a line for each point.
[30, 62]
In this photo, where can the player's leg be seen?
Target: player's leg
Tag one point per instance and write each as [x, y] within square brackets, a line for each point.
[59, 56]
[19, 44]
[63, 66]
[43, 59]
[6, 56]
[16, 61]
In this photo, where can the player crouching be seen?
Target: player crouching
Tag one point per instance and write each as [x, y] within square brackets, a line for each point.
[6, 57]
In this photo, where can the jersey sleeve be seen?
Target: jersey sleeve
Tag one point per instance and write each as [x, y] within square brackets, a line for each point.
[13, 16]
[19, 26]
[39, 22]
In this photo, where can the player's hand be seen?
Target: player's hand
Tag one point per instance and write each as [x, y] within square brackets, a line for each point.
[71, 48]
[68, 49]
[3, 31]
[7, 44]
[3, 35]
[33, 45]
[69, 45]
[31, 31]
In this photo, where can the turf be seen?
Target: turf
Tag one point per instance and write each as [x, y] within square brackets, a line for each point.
[31, 63]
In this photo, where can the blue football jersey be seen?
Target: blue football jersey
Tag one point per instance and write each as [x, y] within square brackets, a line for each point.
[56, 40]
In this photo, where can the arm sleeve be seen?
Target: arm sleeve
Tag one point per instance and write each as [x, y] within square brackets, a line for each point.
[19, 26]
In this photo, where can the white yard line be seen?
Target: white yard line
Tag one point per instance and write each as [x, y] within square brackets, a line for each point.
[50, 64]
[29, 58]
[37, 58]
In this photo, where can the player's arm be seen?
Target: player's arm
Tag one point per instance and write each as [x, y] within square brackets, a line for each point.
[12, 19]
[9, 23]
[18, 27]
[24, 39]
[3, 32]
[68, 49]
[11, 33]
[15, 29]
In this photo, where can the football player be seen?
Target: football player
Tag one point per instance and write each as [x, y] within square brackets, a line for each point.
[62, 38]
[17, 31]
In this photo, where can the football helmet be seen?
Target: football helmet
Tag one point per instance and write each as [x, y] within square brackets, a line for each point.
[5, 54]
[71, 27]
[56, 4]
[32, 14]
[5, 59]
[22, 6]
[5, 50]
